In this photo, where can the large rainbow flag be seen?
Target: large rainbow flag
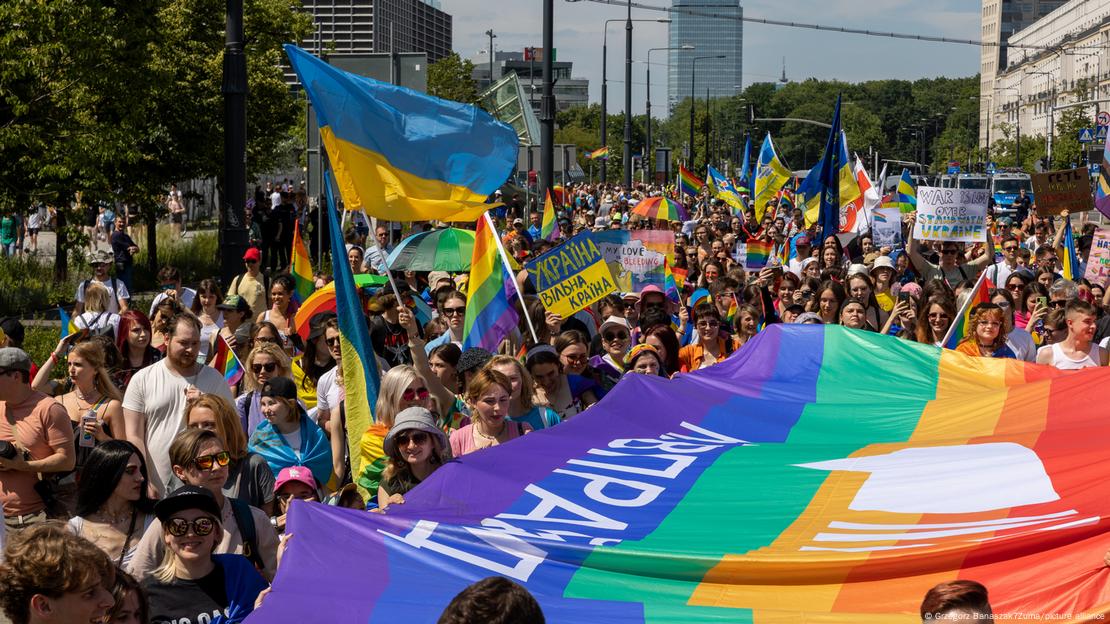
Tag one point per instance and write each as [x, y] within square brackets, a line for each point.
[490, 315]
[767, 488]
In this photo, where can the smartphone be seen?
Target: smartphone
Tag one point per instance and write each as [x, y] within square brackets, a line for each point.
[1042, 301]
[903, 296]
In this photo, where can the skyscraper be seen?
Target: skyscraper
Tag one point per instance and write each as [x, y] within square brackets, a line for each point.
[714, 28]
[364, 26]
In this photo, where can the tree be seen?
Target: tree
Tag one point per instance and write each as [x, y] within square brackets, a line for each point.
[1066, 148]
[451, 78]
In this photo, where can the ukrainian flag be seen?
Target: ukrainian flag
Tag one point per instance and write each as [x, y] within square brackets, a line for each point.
[770, 176]
[401, 155]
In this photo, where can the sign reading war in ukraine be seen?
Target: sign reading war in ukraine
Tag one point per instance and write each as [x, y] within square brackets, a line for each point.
[948, 214]
[571, 276]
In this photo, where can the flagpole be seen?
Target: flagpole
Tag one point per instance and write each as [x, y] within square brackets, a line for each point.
[960, 313]
[508, 267]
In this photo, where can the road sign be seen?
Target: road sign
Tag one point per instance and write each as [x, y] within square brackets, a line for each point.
[1087, 135]
[1093, 167]
[991, 168]
[1104, 118]
[1100, 134]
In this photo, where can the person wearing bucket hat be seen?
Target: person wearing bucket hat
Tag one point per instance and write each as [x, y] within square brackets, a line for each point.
[882, 274]
[616, 338]
[287, 436]
[645, 359]
[192, 582]
[414, 447]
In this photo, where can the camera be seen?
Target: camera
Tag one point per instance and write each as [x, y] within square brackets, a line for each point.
[7, 450]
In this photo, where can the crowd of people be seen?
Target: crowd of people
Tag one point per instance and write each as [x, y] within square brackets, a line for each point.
[172, 487]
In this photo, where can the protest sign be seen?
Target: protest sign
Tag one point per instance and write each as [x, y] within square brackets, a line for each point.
[886, 227]
[949, 214]
[1098, 262]
[1068, 189]
[571, 276]
[636, 258]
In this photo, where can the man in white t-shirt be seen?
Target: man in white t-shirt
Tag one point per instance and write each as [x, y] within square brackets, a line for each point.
[156, 397]
[275, 197]
[100, 262]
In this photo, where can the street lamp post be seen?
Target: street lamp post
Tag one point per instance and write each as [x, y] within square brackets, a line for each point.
[693, 74]
[547, 102]
[232, 216]
[489, 33]
[627, 153]
[649, 147]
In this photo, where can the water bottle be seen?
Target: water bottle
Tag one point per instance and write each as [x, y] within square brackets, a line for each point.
[87, 438]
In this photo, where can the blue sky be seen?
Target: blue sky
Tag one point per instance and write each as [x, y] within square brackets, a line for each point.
[809, 53]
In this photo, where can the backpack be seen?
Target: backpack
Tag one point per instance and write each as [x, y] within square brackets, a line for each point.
[245, 521]
[112, 281]
[234, 288]
[105, 330]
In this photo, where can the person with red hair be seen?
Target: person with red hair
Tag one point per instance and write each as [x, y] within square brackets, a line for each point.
[133, 341]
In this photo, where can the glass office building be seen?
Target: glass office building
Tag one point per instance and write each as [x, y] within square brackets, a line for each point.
[714, 29]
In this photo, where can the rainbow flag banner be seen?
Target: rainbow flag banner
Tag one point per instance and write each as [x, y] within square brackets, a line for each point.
[762, 489]
[227, 362]
[689, 183]
[549, 226]
[490, 315]
[602, 153]
[758, 252]
[301, 267]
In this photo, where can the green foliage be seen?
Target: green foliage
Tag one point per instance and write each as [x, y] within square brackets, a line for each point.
[27, 286]
[451, 78]
[39, 340]
[1066, 148]
[196, 257]
[1004, 147]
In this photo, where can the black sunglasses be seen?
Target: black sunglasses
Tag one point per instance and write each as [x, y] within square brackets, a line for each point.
[178, 527]
[269, 367]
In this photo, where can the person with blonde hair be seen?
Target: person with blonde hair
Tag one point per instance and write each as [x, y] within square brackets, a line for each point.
[265, 361]
[180, 588]
[199, 459]
[98, 317]
[248, 475]
[522, 399]
[488, 396]
[402, 387]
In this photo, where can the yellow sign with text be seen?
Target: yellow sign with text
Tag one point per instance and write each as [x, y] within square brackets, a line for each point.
[571, 276]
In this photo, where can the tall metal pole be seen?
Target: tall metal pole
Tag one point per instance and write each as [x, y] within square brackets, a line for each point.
[648, 149]
[627, 156]
[604, 98]
[489, 33]
[693, 72]
[707, 125]
[547, 102]
[233, 230]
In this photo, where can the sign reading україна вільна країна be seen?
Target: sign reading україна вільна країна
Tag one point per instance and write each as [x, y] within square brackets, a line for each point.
[948, 214]
[571, 276]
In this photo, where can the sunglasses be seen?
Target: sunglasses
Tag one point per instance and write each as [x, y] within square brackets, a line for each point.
[332, 342]
[614, 337]
[454, 311]
[414, 393]
[207, 462]
[1010, 248]
[417, 437]
[709, 323]
[1015, 287]
[1058, 303]
[178, 527]
[949, 251]
[269, 367]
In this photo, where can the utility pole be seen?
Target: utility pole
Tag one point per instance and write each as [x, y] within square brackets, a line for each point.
[233, 227]
[627, 156]
[547, 102]
[489, 33]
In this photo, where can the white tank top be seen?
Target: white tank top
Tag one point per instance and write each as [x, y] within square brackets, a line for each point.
[1063, 362]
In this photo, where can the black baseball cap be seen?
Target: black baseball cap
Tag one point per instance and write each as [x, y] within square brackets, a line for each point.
[187, 497]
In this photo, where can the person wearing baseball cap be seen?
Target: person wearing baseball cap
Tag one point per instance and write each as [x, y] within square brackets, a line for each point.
[180, 589]
[415, 448]
[100, 261]
[237, 324]
[292, 483]
[252, 285]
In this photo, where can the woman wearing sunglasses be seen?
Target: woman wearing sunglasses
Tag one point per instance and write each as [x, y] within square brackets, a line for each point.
[200, 459]
[711, 346]
[616, 338]
[193, 583]
[415, 447]
[248, 475]
[402, 387]
[453, 310]
[266, 361]
[287, 436]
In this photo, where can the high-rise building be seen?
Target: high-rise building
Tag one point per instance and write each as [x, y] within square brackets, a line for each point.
[714, 28]
[999, 20]
[528, 66]
[365, 26]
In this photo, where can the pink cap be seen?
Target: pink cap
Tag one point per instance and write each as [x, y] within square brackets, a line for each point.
[295, 473]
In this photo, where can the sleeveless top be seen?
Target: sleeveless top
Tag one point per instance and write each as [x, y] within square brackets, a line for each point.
[1063, 362]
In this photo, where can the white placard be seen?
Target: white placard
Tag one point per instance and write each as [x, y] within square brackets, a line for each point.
[948, 214]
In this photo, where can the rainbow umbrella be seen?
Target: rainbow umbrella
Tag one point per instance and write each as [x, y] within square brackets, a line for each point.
[445, 249]
[323, 300]
[661, 208]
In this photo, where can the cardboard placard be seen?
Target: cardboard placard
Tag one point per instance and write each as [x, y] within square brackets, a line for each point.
[1068, 189]
[949, 214]
[635, 257]
[571, 276]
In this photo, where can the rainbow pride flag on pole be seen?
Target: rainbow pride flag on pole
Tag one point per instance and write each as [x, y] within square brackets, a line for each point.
[401, 155]
[743, 493]
[602, 153]
[961, 325]
[689, 183]
[301, 267]
[549, 226]
[360, 365]
[226, 362]
[758, 252]
[489, 313]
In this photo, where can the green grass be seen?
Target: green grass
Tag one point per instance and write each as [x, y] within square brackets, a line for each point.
[27, 286]
[196, 258]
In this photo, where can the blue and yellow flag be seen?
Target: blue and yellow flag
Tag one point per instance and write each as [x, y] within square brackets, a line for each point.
[1069, 258]
[745, 180]
[849, 187]
[724, 190]
[360, 367]
[829, 178]
[401, 155]
[770, 176]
